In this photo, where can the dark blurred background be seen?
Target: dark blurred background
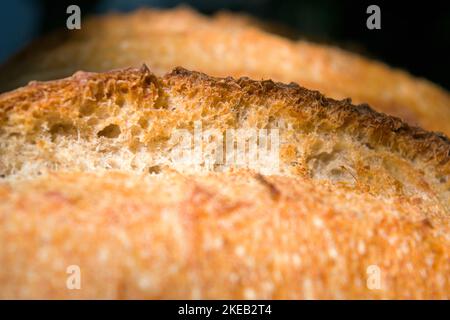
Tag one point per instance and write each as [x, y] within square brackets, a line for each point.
[414, 36]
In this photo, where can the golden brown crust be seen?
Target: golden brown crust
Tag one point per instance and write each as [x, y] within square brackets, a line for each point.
[193, 237]
[223, 47]
[359, 190]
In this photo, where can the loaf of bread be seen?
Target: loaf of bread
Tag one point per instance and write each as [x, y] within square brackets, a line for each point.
[355, 206]
[227, 45]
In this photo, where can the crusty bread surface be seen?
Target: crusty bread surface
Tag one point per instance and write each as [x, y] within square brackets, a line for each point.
[88, 180]
[227, 45]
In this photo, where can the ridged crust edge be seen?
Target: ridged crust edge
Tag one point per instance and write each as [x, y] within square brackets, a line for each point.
[378, 129]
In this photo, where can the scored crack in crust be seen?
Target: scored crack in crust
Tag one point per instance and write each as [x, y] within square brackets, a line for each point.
[88, 180]
[227, 45]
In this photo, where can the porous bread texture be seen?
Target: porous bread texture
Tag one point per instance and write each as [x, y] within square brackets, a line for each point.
[216, 236]
[227, 46]
[124, 120]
